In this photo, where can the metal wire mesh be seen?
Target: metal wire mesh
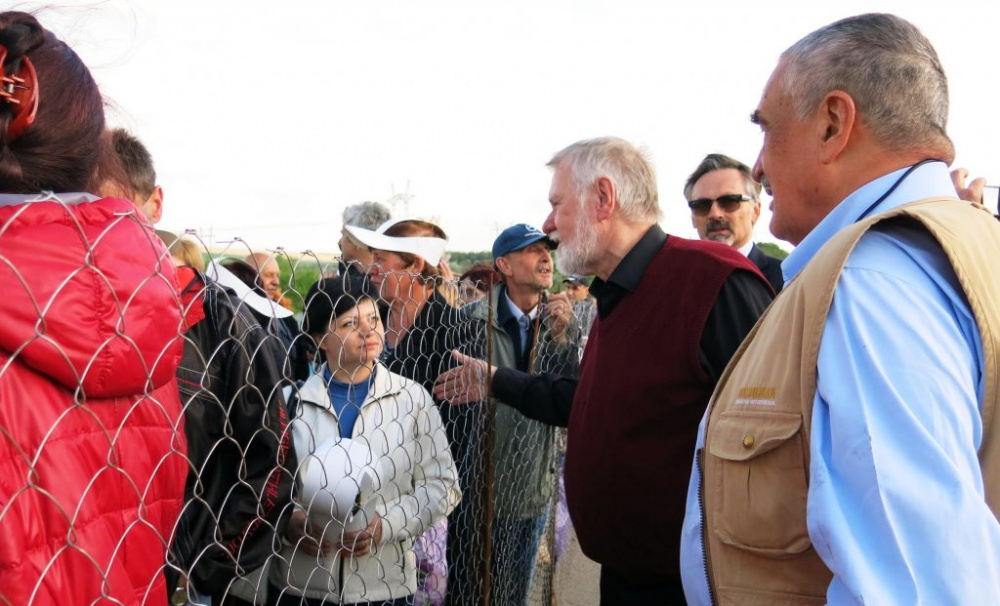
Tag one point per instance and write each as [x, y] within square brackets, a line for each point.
[224, 474]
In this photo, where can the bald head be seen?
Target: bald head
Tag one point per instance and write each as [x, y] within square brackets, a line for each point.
[268, 273]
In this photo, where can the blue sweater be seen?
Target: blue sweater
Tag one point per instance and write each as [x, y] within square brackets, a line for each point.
[346, 400]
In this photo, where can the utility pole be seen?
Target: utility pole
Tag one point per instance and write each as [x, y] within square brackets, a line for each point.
[401, 199]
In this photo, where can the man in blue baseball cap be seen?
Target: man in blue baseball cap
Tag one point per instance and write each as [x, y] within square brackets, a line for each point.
[522, 254]
[527, 330]
[518, 237]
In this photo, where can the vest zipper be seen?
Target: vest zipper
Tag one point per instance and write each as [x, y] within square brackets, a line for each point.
[705, 556]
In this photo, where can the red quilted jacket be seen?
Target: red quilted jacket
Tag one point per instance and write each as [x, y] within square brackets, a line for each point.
[92, 449]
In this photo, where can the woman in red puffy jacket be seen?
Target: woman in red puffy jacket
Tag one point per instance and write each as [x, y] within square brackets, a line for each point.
[92, 460]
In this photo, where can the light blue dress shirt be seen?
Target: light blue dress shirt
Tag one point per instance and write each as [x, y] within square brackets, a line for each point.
[524, 320]
[895, 505]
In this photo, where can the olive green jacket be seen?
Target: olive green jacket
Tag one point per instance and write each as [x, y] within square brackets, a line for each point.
[523, 456]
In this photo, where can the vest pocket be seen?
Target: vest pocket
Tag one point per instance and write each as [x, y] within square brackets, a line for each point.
[759, 488]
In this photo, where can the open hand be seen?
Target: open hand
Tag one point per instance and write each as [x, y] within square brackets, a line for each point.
[467, 382]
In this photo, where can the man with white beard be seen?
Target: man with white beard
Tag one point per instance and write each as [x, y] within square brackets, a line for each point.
[671, 312]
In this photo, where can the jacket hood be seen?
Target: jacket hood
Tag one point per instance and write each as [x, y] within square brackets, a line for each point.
[91, 298]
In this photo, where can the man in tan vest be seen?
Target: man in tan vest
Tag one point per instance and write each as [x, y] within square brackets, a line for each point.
[848, 454]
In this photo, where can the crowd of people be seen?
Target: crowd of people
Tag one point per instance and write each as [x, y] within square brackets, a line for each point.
[739, 429]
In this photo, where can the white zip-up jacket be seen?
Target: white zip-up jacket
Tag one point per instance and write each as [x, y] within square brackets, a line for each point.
[401, 424]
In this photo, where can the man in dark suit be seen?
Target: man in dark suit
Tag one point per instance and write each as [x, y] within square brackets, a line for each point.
[725, 203]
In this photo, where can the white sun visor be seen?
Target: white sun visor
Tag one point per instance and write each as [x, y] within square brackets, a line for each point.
[244, 293]
[429, 248]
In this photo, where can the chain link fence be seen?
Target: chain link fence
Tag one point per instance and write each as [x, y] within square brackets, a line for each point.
[275, 470]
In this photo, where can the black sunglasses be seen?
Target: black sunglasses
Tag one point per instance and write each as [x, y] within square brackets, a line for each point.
[728, 203]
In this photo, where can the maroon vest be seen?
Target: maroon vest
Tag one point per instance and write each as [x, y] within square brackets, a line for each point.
[640, 398]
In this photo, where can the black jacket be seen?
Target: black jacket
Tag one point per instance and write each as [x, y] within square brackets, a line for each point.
[239, 445]
[424, 352]
[769, 266]
[295, 350]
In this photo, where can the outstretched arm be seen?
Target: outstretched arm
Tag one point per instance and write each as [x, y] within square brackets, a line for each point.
[545, 397]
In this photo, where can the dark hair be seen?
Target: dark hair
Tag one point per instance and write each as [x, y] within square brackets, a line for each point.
[714, 162]
[417, 228]
[329, 298]
[482, 275]
[62, 149]
[136, 162]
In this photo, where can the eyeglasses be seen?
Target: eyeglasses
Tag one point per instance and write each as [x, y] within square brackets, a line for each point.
[728, 203]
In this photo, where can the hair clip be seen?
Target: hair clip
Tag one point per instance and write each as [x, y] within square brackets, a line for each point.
[20, 90]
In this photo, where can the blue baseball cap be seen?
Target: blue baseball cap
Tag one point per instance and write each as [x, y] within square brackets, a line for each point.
[517, 237]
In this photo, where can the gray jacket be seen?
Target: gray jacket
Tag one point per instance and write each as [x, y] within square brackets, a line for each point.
[524, 466]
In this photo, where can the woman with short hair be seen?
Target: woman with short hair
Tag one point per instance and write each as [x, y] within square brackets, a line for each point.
[356, 402]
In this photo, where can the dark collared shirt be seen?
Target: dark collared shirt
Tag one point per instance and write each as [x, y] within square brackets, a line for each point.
[626, 277]
[741, 300]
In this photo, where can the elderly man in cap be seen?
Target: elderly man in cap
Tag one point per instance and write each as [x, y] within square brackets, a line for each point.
[518, 326]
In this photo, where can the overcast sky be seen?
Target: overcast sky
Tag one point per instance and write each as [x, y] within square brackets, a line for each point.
[266, 119]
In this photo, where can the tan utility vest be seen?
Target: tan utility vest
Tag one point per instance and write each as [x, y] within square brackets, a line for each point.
[756, 457]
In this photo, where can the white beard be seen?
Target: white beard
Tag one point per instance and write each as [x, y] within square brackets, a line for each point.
[574, 258]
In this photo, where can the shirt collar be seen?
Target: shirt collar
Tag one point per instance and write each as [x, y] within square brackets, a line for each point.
[929, 180]
[629, 271]
[332, 383]
[746, 248]
[511, 310]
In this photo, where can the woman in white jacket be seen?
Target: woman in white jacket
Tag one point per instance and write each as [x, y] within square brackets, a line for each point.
[356, 399]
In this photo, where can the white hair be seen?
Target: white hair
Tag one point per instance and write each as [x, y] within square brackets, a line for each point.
[366, 214]
[628, 168]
